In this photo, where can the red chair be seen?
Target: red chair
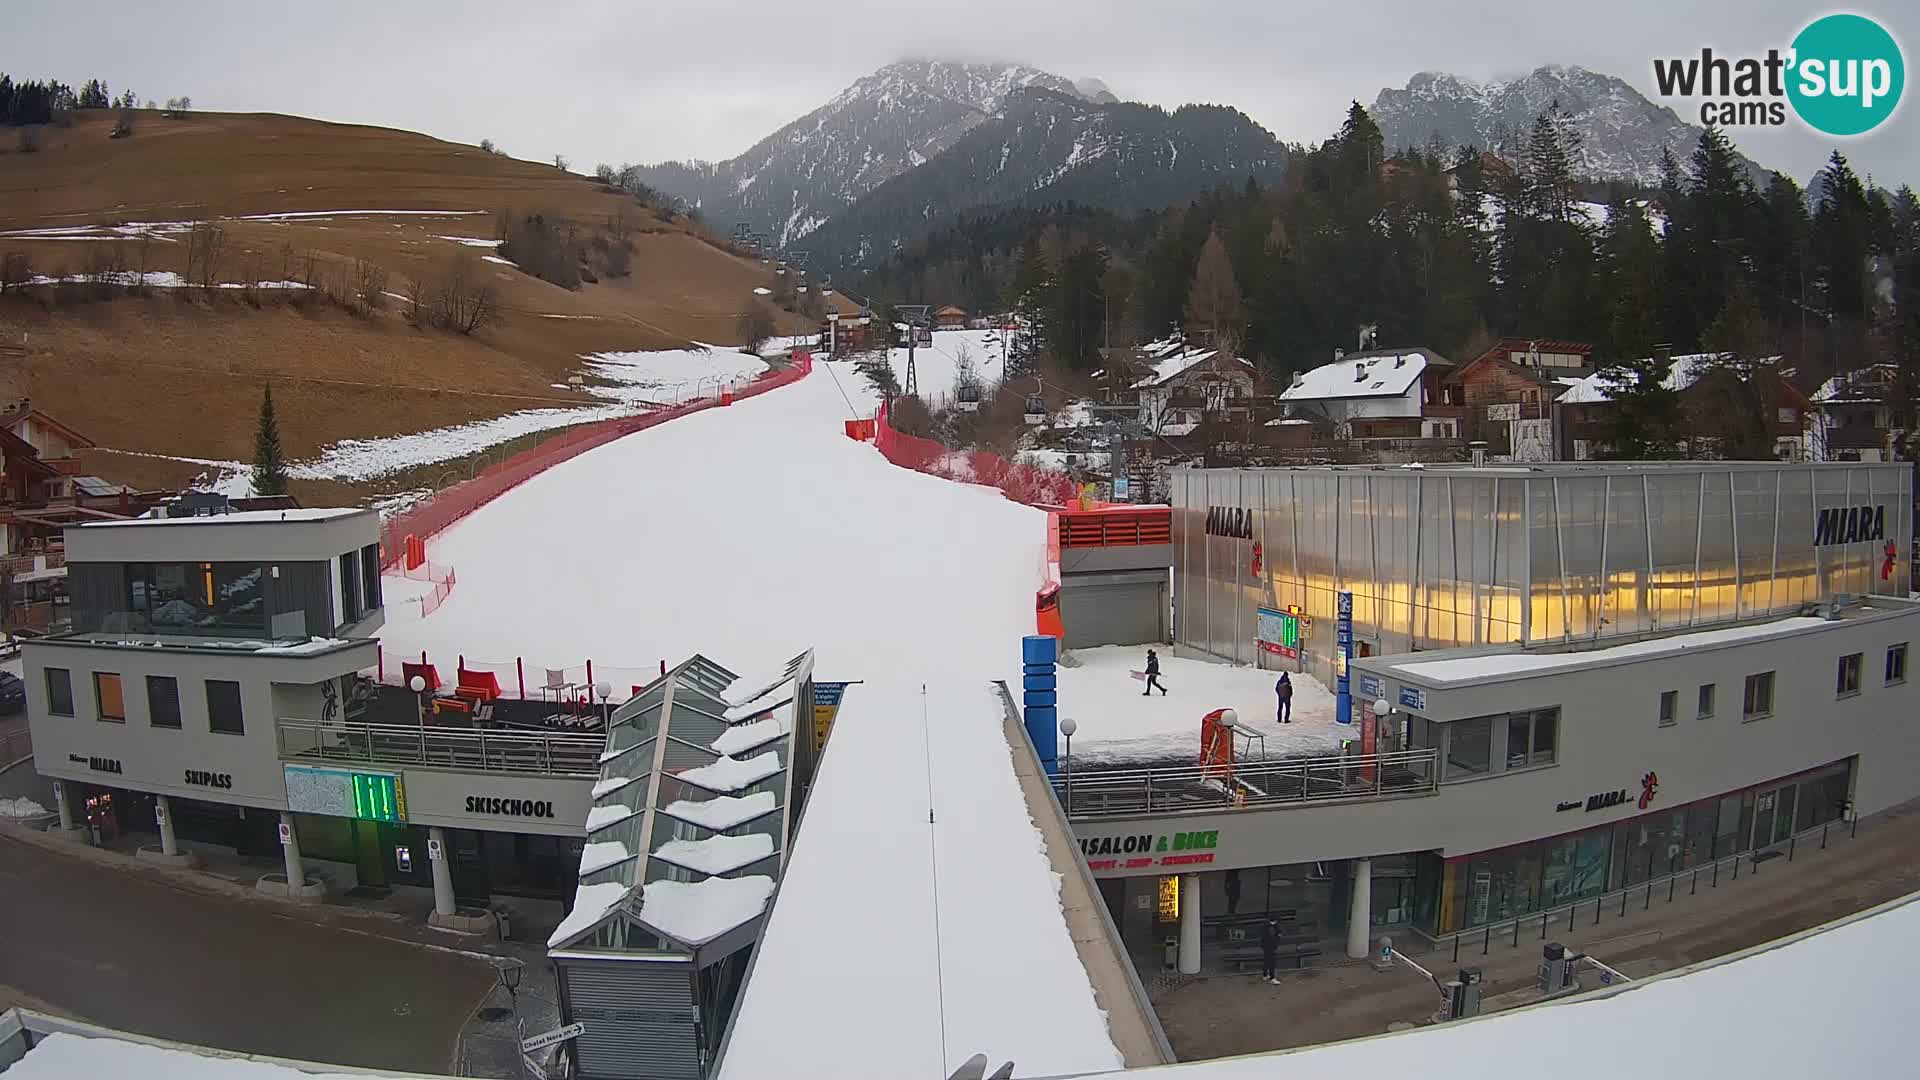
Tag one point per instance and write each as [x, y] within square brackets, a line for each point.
[426, 672]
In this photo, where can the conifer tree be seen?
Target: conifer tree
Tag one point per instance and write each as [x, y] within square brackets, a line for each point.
[269, 467]
[1214, 306]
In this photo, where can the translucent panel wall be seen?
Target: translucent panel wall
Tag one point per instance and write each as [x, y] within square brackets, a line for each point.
[1440, 557]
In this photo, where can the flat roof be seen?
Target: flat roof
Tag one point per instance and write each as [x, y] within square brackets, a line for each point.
[239, 517]
[1574, 468]
[206, 643]
[1455, 667]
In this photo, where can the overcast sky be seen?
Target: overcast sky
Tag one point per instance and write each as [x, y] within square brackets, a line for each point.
[618, 80]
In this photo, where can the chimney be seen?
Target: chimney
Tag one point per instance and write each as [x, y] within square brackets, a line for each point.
[1339, 355]
[1399, 360]
[1299, 379]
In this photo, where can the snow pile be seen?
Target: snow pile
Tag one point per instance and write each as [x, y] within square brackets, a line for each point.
[602, 816]
[668, 375]
[600, 854]
[368, 459]
[716, 854]
[21, 807]
[610, 785]
[304, 648]
[744, 737]
[591, 903]
[724, 812]
[1117, 726]
[474, 241]
[698, 912]
[732, 774]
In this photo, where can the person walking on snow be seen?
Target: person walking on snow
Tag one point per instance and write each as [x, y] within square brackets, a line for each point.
[1269, 951]
[1284, 691]
[1153, 675]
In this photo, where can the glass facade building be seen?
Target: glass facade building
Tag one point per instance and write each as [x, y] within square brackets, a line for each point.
[1443, 557]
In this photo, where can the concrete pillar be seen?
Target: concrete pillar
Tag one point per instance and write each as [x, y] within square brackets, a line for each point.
[1360, 910]
[1189, 924]
[65, 802]
[442, 871]
[163, 816]
[290, 847]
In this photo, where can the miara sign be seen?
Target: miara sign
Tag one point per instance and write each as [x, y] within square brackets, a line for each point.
[1850, 525]
[1230, 521]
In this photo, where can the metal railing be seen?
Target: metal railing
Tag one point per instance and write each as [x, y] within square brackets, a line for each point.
[467, 749]
[1249, 785]
[1639, 896]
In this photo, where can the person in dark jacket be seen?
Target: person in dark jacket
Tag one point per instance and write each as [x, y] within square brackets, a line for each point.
[1153, 675]
[1284, 691]
[1269, 950]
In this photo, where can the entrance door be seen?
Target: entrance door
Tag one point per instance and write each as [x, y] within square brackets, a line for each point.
[1767, 812]
[471, 887]
[368, 858]
[1783, 813]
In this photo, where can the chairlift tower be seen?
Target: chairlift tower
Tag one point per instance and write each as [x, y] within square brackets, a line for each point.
[915, 316]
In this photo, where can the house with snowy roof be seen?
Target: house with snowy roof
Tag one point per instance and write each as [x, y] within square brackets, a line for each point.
[1378, 394]
[1852, 416]
[1701, 380]
[1180, 384]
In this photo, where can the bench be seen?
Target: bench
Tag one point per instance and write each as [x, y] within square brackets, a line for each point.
[1242, 958]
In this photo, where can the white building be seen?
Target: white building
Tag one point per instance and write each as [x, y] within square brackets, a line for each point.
[1377, 394]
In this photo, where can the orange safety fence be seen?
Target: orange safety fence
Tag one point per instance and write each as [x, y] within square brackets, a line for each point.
[1116, 526]
[1028, 484]
[414, 526]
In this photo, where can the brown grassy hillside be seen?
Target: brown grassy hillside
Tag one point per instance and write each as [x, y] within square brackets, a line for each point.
[179, 371]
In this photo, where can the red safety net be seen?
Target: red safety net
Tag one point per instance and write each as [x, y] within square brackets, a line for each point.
[1022, 483]
[426, 519]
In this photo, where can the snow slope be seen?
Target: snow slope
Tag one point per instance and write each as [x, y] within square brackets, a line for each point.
[1009, 978]
[936, 366]
[1117, 726]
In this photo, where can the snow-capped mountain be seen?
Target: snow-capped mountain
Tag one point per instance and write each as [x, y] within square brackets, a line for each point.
[1049, 147]
[1621, 131]
[789, 183]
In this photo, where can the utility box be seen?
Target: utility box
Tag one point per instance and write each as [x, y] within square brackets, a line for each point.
[1556, 968]
[1463, 994]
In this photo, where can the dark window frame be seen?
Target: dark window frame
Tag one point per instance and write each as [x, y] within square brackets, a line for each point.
[1846, 676]
[216, 706]
[100, 700]
[1669, 708]
[1895, 671]
[64, 692]
[1704, 703]
[157, 715]
[1757, 705]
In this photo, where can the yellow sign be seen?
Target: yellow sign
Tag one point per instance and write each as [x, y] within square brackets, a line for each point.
[1170, 898]
[822, 723]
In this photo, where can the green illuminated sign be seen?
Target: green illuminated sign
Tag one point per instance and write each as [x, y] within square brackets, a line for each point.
[377, 798]
[368, 796]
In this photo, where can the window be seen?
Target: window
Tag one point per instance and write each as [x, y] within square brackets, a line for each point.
[59, 691]
[223, 708]
[163, 701]
[197, 597]
[112, 705]
[1706, 701]
[1469, 746]
[1896, 664]
[1789, 416]
[350, 595]
[1759, 699]
[1669, 708]
[1847, 681]
[1546, 736]
[370, 574]
[1531, 737]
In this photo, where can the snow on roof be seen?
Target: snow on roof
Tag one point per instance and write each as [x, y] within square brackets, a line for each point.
[715, 854]
[1286, 421]
[611, 814]
[610, 785]
[1185, 427]
[725, 811]
[698, 912]
[600, 854]
[908, 992]
[591, 903]
[1599, 387]
[1518, 663]
[1170, 365]
[730, 774]
[1862, 1033]
[238, 517]
[741, 738]
[1366, 375]
[303, 648]
[1867, 384]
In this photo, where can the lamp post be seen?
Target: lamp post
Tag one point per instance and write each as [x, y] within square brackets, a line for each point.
[603, 691]
[509, 971]
[1382, 712]
[1067, 728]
[418, 685]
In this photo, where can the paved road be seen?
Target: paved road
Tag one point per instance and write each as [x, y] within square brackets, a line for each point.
[119, 948]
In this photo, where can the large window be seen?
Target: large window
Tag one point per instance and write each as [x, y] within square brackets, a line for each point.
[107, 697]
[223, 708]
[207, 598]
[163, 701]
[1469, 746]
[59, 691]
[1759, 697]
[1847, 679]
[1532, 738]
[1896, 664]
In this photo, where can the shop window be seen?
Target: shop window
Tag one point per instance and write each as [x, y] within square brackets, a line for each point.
[1759, 697]
[1669, 708]
[163, 701]
[223, 708]
[59, 692]
[1706, 701]
[111, 703]
[1469, 747]
[1896, 664]
[1847, 679]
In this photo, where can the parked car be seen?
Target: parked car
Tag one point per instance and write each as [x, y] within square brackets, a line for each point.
[13, 693]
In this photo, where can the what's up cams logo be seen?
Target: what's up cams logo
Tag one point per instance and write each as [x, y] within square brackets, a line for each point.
[1842, 75]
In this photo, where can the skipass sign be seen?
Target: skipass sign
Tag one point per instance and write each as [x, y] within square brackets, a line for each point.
[1842, 74]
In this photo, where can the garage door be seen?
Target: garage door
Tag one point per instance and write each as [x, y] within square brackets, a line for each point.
[1102, 611]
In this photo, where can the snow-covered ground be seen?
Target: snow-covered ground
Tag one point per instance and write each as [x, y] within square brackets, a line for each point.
[1117, 726]
[936, 366]
[667, 375]
[999, 958]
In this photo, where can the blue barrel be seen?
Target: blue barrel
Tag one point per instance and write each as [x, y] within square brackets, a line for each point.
[1042, 699]
[1040, 649]
[1040, 682]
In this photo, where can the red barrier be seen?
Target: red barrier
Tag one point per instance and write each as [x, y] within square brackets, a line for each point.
[426, 519]
[1021, 483]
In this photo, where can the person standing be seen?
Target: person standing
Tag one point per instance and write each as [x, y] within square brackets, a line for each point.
[1269, 951]
[1153, 675]
[1283, 690]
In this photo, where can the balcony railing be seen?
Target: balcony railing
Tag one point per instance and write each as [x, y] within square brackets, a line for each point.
[1261, 785]
[466, 749]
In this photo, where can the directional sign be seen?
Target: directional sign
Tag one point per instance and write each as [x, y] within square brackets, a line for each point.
[547, 1038]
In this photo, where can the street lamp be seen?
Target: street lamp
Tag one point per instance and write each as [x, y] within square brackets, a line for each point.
[1067, 728]
[603, 691]
[418, 685]
[508, 971]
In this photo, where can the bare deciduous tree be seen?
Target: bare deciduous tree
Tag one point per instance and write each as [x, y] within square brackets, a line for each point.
[458, 295]
[560, 162]
[206, 247]
[755, 327]
[15, 271]
[370, 285]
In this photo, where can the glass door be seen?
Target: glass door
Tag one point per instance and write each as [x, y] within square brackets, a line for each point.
[1783, 813]
[1765, 810]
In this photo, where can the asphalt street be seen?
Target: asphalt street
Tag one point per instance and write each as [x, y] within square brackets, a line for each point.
[124, 949]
